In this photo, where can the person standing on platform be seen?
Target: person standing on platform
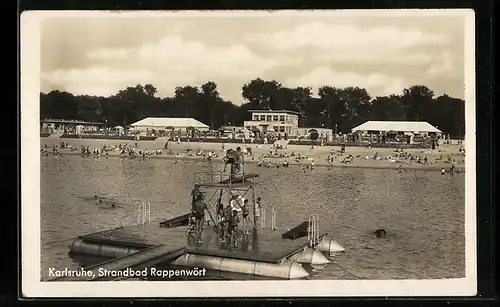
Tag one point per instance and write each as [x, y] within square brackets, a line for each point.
[257, 208]
[195, 192]
[246, 210]
[198, 211]
[233, 228]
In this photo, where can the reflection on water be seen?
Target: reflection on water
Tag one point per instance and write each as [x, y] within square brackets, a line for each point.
[422, 212]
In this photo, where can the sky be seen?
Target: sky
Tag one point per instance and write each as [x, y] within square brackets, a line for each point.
[384, 54]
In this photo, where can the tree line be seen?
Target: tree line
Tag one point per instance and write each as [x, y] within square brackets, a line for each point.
[332, 107]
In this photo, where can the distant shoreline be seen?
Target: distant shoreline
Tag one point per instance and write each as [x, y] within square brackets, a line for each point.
[239, 141]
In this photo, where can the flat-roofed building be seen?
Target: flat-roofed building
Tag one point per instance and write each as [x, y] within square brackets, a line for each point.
[281, 122]
[68, 126]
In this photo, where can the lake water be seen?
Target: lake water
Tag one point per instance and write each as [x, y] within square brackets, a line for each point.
[422, 211]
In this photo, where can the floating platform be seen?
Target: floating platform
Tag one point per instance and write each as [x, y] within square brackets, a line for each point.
[261, 252]
[240, 178]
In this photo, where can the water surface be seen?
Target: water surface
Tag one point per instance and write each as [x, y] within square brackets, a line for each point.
[422, 211]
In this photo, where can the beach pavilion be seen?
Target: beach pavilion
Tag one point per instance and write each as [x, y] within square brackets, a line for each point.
[179, 125]
[395, 131]
[396, 127]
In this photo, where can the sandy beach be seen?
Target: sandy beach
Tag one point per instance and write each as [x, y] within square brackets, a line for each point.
[363, 157]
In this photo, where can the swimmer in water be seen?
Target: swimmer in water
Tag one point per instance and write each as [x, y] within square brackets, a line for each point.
[380, 233]
[100, 203]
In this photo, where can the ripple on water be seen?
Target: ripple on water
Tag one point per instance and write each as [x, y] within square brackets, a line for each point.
[422, 212]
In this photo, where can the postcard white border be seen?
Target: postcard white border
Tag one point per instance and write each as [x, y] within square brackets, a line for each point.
[30, 188]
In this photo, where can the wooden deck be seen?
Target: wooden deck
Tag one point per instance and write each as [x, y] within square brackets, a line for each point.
[265, 245]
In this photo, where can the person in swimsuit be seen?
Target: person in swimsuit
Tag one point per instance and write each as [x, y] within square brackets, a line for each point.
[221, 219]
[238, 160]
[233, 228]
[195, 192]
[198, 211]
[229, 160]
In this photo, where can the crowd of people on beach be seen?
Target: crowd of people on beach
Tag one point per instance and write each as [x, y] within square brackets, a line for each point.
[277, 156]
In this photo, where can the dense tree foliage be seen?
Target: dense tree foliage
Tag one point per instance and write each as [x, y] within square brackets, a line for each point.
[336, 108]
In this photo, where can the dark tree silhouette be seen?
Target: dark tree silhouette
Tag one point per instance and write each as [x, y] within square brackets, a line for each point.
[333, 107]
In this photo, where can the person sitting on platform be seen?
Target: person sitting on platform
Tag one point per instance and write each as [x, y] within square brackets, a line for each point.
[229, 159]
[238, 160]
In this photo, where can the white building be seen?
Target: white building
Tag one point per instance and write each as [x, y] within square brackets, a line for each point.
[396, 127]
[175, 124]
[283, 122]
[69, 126]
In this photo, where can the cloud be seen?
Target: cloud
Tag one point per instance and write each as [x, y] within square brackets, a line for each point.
[167, 63]
[444, 65]
[341, 43]
[100, 81]
[382, 58]
[322, 35]
[176, 54]
[376, 84]
[109, 54]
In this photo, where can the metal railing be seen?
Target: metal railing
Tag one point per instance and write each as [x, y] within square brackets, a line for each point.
[313, 230]
[144, 213]
[263, 218]
[210, 173]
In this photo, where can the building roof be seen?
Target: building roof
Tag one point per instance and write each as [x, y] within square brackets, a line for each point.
[164, 122]
[396, 126]
[69, 121]
[274, 111]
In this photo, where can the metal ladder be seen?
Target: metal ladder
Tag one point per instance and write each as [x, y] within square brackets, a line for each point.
[144, 213]
[313, 230]
[263, 218]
